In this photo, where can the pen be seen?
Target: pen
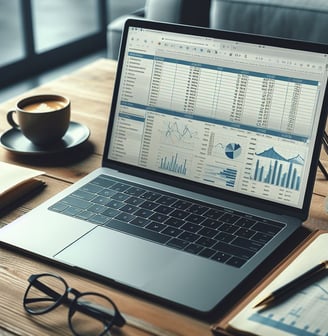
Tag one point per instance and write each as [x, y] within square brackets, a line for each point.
[295, 285]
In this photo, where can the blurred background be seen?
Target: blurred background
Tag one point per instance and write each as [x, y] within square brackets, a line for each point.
[41, 39]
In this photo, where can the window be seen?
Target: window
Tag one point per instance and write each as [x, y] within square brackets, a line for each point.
[12, 49]
[37, 35]
[59, 22]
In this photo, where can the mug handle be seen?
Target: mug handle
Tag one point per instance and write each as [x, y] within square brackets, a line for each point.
[11, 120]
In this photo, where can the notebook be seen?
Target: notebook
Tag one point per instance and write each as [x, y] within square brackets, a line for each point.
[208, 166]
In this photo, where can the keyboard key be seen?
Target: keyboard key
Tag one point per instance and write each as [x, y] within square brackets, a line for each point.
[108, 193]
[206, 242]
[172, 231]
[214, 213]
[98, 219]
[262, 237]
[155, 226]
[229, 218]
[207, 253]
[129, 208]
[266, 228]
[144, 213]
[233, 250]
[110, 212]
[148, 205]
[166, 200]
[228, 228]
[212, 223]
[101, 200]
[135, 191]
[189, 236]
[193, 248]
[150, 196]
[207, 232]
[121, 187]
[174, 222]
[59, 206]
[198, 209]
[179, 214]
[181, 204]
[177, 243]
[119, 196]
[103, 181]
[225, 237]
[245, 233]
[164, 209]
[72, 211]
[115, 204]
[97, 208]
[245, 222]
[74, 201]
[191, 227]
[158, 217]
[91, 188]
[125, 217]
[236, 262]
[247, 243]
[220, 257]
[137, 231]
[139, 221]
[83, 195]
[134, 200]
[84, 215]
[195, 219]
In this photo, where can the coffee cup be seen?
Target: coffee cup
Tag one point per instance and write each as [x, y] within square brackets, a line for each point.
[43, 119]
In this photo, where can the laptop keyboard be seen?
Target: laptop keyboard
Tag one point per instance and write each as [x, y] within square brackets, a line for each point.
[212, 232]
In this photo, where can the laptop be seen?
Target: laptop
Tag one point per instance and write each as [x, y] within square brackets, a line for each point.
[208, 167]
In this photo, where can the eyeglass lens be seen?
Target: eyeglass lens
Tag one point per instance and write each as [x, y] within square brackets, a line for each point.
[44, 295]
[99, 318]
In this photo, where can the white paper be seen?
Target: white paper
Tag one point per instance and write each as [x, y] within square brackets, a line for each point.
[305, 313]
[12, 175]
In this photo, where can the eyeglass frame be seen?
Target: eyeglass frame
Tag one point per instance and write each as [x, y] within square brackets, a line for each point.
[325, 146]
[62, 299]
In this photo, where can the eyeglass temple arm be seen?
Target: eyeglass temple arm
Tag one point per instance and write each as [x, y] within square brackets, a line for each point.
[45, 289]
[325, 146]
[323, 170]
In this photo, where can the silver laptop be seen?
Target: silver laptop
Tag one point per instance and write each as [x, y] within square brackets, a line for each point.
[208, 166]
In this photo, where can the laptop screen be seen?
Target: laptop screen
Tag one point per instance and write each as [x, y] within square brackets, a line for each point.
[235, 115]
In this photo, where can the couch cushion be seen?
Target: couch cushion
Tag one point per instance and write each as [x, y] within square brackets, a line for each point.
[297, 19]
[192, 12]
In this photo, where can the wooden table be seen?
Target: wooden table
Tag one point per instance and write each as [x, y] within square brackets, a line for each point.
[90, 90]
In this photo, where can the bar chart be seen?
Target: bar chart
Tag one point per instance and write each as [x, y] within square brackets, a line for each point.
[272, 168]
[220, 175]
[173, 163]
[302, 315]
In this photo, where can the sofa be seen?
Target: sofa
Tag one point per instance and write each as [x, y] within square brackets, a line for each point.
[296, 19]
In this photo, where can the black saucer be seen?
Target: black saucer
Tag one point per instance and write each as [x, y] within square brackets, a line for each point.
[16, 142]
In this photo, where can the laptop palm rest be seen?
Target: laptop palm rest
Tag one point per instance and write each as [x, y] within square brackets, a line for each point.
[129, 262]
[120, 262]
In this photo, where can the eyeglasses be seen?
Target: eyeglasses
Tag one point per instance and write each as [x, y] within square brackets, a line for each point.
[89, 313]
[325, 146]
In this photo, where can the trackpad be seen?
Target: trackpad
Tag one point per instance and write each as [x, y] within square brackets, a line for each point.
[120, 257]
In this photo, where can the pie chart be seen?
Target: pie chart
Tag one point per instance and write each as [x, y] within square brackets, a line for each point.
[232, 150]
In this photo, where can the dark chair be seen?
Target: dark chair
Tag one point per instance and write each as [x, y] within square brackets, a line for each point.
[190, 12]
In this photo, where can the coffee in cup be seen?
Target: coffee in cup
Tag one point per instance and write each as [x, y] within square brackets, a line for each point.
[43, 119]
